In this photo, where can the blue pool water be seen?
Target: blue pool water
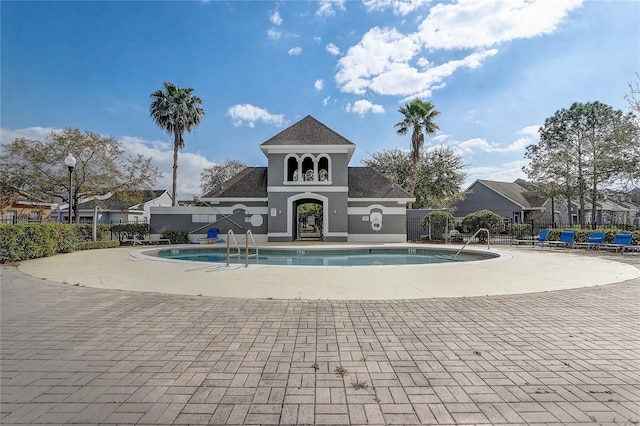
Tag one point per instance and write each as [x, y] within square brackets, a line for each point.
[326, 257]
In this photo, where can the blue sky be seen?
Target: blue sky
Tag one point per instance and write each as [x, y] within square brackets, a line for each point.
[495, 69]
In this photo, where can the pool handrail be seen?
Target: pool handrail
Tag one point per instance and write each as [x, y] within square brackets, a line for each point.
[471, 239]
[249, 234]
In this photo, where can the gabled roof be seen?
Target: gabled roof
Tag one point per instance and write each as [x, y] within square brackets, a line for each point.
[120, 201]
[366, 182]
[523, 197]
[308, 131]
[251, 182]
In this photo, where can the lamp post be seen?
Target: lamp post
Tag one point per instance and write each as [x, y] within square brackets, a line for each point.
[70, 162]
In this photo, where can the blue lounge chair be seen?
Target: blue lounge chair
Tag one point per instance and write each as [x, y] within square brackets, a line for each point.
[566, 239]
[541, 239]
[620, 242]
[212, 236]
[595, 240]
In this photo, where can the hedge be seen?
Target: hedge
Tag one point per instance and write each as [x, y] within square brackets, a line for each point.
[24, 241]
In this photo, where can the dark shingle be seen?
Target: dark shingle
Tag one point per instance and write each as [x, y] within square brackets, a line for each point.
[251, 182]
[366, 182]
[308, 131]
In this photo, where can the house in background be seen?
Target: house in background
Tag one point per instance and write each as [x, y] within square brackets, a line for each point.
[307, 165]
[23, 207]
[512, 200]
[519, 202]
[117, 208]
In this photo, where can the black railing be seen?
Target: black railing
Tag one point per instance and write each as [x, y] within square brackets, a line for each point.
[510, 232]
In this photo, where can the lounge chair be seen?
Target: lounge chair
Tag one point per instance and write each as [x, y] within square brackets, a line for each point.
[541, 239]
[212, 236]
[620, 242]
[566, 239]
[595, 240]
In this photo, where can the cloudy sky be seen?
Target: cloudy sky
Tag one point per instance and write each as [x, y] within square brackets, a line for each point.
[495, 69]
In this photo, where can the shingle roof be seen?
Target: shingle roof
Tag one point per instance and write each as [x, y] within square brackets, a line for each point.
[308, 131]
[251, 182]
[516, 193]
[121, 201]
[366, 182]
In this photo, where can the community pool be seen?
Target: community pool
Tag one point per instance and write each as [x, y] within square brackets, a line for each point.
[363, 256]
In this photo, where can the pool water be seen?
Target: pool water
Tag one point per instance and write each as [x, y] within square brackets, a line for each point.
[327, 257]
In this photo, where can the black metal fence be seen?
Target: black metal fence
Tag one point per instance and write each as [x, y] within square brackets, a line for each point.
[511, 231]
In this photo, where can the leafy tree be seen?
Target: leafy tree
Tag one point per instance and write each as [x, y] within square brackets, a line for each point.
[583, 148]
[102, 166]
[483, 219]
[418, 118]
[441, 174]
[213, 179]
[176, 110]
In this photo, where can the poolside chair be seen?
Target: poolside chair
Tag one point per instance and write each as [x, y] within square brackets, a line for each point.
[620, 242]
[541, 239]
[595, 240]
[212, 236]
[566, 239]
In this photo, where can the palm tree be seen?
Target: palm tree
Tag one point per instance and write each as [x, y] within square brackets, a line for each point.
[418, 116]
[176, 110]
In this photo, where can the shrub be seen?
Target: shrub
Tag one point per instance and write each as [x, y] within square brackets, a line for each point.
[131, 230]
[176, 237]
[483, 219]
[439, 219]
[519, 230]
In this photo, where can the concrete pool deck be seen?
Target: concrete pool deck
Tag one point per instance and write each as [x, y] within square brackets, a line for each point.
[79, 355]
[518, 270]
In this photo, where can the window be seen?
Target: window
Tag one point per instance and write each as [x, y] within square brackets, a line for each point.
[35, 216]
[292, 169]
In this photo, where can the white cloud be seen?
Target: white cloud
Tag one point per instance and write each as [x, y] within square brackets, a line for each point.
[34, 133]
[249, 114]
[319, 84]
[506, 172]
[326, 100]
[363, 106]
[482, 23]
[381, 63]
[527, 136]
[190, 164]
[389, 62]
[295, 51]
[275, 18]
[475, 144]
[327, 7]
[400, 7]
[333, 49]
[274, 34]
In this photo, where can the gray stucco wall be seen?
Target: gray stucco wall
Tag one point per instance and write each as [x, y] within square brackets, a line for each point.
[482, 198]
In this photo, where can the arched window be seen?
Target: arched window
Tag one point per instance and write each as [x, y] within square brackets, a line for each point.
[323, 168]
[308, 168]
[292, 169]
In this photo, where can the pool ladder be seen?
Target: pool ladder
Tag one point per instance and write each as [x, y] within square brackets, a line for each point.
[471, 239]
[247, 255]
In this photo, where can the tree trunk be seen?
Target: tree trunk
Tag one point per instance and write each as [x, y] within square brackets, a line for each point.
[174, 185]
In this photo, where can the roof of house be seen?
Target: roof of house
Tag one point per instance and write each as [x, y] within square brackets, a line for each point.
[367, 182]
[251, 182]
[121, 201]
[364, 182]
[308, 131]
[518, 194]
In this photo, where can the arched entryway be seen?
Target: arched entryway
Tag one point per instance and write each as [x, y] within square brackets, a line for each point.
[308, 219]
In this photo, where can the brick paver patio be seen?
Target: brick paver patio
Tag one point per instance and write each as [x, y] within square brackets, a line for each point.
[75, 355]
